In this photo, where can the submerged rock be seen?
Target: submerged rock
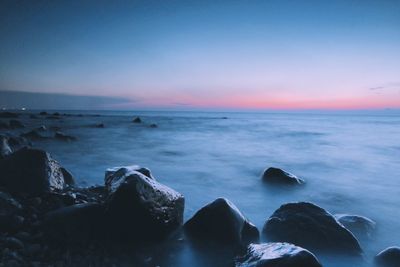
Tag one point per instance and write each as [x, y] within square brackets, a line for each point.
[359, 225]
[76, 223]
[222, 221]
[100, 125]
[15, 124]
[277, 255]
[389, 257]
[309, 226]
[139, 208]
[64, 137]
[279, 176]
[137, 120]
[31, 171]
[153, 125]
[33, 135]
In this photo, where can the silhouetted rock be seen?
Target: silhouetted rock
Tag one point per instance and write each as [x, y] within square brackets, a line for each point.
[33, 135]
[76, 223]
[33, 116]
[31, 171]
[8, 114]
[309, 226]
[389, 257]
[137, 120]
[222, 221]
[100, 125]
[360, 226]
[277, 255]
[153, 125]
[278, 176]
[140, 209]
[64, 137]
[15, 124]
[56, 114]
[43, 113]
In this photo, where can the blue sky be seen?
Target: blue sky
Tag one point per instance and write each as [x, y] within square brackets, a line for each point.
[227, 54]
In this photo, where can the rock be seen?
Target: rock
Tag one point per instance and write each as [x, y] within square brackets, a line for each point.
[24, 236]
[63, 137]
[99, 125]
[153, 125]
[18, 142]
[360, 226]
[10, 223]
[43, 113]
[41, 128]
[33, 116]
[8, 114]
[137, 120]
[76, 223]
[139, 208]
[56, 114]
[13, 243]
[33, 135]
[31, 171]
[389, 257]
[68, 178]
[278, 176]
[32, 249]
[53, 117]
[277, 255]
[8, 204]
[116, 175]
[5, 149]
[309, 226]
[222, 221]
[55, 128]
[15, 124]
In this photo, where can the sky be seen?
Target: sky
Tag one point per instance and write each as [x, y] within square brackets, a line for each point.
[204, 54]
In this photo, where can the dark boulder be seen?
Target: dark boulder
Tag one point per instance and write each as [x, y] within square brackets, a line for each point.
[140, 209]
[53, 117]
[8, 114]
[16, 124]
[389, 257]
[41, 128]
[64, 137]
[33, 135]
[43, 113]
[100, 125]
[278, 176]
[221, 221]
[76, 223]
[277, 255]
[18, 142]
[33, 116]
[31, 171]
[360, 226]
[309, 226]
[137, 120]
[153, 125]
[116, 175]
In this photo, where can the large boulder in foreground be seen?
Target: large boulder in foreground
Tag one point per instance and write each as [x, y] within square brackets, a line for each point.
[277, 255]
[221, 221]
[360, 226]
[389, 257]
[278, 176]
[116, 175]
[31, 171]
[139, 208]
[307, 225]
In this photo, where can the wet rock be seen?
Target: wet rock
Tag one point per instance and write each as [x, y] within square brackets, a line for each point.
[18, 142]
[56, 114]
[100, 125]
[153, 125]
[33, 135]
[41, 128]
[5, 148]
[76, 223]
[43, 113]
[55, 128]
[389, 257]
[309, 226]
[15, 124]
[32, 249]
[33, 116]
[360, 226]
[137, 120]
[13, 243]
[68, 178]
[24, 236]
[8, 114]
[141, 209]
[277, 255]
[117, 175]
[64, 137]
[8, 204]
[10, 223]
[53, 117]
[222, 221]
[278, 176]
[31, 171]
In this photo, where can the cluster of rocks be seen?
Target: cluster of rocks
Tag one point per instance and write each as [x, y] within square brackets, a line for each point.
[139, 120]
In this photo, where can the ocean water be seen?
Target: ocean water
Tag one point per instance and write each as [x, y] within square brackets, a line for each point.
[350, 161]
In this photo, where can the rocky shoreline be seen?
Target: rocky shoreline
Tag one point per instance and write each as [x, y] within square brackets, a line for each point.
[47, 220]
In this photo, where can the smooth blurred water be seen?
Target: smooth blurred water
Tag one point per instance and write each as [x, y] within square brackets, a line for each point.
[350, 161]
